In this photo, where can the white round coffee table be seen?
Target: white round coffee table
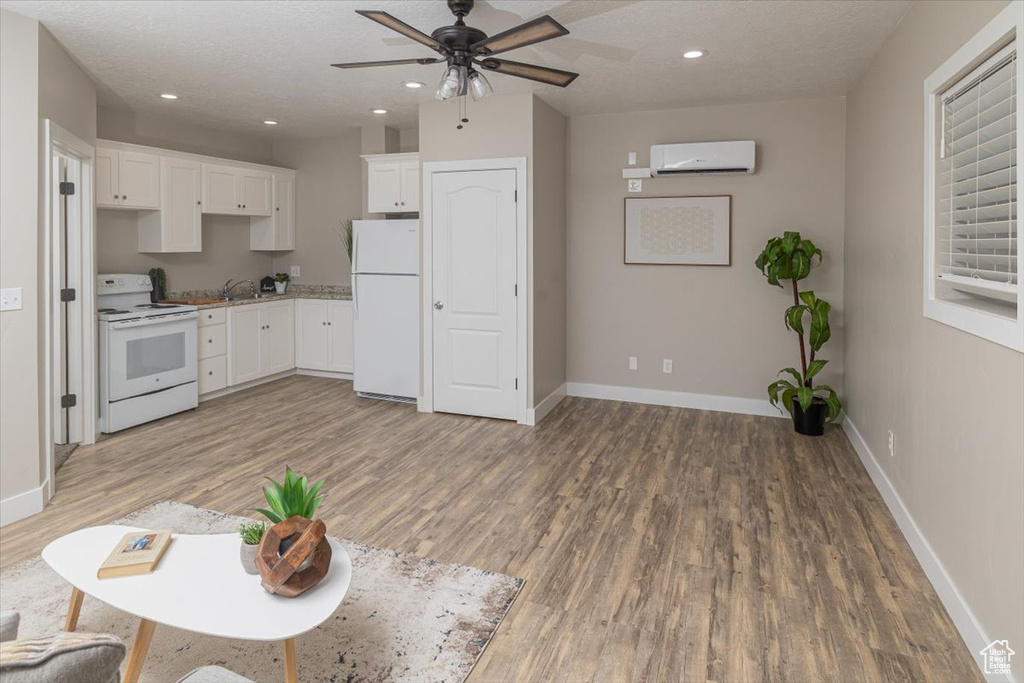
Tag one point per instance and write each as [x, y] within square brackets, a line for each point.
[200, 586]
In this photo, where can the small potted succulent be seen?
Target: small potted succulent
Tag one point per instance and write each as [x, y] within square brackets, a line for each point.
[789, 258]
[293, 497]
[281, 282]
[159, 279]
[251, 535]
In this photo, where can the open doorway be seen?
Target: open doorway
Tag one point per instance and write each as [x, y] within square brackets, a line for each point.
[69, 284]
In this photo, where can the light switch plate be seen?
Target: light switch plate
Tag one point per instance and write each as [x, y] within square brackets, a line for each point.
[636, 185]
[632, 362]
[632, 158]
[295, 272]
[10, 299]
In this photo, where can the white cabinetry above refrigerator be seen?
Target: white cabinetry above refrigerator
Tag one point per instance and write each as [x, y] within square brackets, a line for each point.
[393, 183]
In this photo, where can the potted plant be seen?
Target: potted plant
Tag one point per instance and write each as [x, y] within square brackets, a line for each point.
[346, 237]
[159, 279]
[281, 282]
[251, 535]
[789, 258]
[293, 497]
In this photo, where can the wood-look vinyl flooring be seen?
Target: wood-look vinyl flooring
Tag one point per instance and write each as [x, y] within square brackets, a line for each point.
[657, 544]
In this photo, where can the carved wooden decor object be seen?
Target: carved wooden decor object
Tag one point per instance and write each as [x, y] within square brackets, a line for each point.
[280, 574]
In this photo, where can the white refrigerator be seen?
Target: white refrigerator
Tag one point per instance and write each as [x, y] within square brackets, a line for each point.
[386, 306]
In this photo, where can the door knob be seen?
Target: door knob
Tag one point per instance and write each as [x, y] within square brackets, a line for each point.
[438, 305]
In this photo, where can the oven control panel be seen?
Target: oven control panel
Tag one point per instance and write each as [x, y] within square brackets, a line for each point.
[122, 284]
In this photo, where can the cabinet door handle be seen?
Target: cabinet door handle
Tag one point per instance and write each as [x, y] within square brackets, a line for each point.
[124, 196]
[209, 341]
[198, 202]
[277, 209]
[328, 323]
[116, 197]
[210, 373]
[396, 203]
[403, 203]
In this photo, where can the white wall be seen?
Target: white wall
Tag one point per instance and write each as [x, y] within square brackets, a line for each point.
[955, 402]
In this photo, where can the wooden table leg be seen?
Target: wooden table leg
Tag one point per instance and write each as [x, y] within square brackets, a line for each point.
[143, 636]
[71, 622]
[291, 672]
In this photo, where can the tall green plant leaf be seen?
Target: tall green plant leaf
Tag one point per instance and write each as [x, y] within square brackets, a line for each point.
[795, 318]
[814, 367]
[805, 395]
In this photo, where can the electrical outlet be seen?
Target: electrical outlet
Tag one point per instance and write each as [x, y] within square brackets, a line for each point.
[632, 362]
[666, 366]
[892, 453]
[296, 271]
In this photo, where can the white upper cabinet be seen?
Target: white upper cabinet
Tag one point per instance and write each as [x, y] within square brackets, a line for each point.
[276, 232]
[393, 183]
[221, 190]
[256, 198]
[235, 190]
[177, 227]
[127, 179]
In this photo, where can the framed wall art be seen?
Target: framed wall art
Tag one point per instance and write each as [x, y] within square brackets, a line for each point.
[678, 231]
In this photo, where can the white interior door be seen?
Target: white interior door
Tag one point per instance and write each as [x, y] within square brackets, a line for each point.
[474, 292]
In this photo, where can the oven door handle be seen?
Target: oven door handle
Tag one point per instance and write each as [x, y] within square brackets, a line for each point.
[144, 322]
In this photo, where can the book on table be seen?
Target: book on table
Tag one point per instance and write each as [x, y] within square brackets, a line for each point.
[136, 553]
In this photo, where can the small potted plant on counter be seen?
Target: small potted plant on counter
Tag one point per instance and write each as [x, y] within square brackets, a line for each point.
[790, 258]
[159, 279]
[251, 535]
[281, 282]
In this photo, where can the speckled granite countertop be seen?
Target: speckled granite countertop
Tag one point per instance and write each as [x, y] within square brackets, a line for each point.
[335, 292]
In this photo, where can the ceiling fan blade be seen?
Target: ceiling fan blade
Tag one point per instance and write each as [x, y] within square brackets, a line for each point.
[389, 62]
[532, 72]
[534, 31]
[394, 24]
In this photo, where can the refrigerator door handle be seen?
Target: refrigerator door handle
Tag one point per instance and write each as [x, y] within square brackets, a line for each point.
[355, 297]
[355, 253]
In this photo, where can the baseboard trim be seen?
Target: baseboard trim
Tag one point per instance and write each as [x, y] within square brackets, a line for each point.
[325, 373]
[24, 504]
[540, 411]
[247, 385]
[676, 399]
[959, 611]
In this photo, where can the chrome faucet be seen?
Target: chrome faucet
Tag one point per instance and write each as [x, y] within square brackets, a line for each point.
[229, 287]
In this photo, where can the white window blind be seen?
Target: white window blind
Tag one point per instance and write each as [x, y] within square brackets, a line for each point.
[976, 238]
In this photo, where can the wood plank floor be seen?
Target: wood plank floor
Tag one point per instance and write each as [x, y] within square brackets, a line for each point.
[657, 544]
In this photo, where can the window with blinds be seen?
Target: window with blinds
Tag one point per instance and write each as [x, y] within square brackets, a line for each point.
[976, 240]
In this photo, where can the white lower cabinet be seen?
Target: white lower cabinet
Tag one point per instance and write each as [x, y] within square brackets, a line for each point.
[212, 339]
[261, 340]
[323, 335]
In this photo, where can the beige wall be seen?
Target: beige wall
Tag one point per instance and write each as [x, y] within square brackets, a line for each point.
[954, 401]
[181, 136]
[721, 326]
[548, 249]
[225, 252]
[20, 452]
[66, 94]
[328, 191]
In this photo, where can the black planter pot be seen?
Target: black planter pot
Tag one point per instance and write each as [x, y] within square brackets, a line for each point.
[812, 421]
[157, 295]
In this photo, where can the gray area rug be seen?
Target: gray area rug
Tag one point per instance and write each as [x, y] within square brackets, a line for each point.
[404, 618]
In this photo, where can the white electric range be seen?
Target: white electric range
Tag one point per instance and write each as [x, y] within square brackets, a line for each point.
[147, 354]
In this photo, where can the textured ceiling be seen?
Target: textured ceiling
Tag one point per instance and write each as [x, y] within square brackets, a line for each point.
[236, 63]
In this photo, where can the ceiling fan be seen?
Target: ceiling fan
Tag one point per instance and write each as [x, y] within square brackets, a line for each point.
[465, 48]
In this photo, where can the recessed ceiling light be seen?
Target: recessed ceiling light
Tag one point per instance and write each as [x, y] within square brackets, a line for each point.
[379, 111]
[694, 54]
[414, 84]
[270, 122]
[168, 96]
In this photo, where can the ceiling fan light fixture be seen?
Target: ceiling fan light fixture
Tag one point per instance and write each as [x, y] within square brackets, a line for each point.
[452, 83]
[695, 54]
[479, 86]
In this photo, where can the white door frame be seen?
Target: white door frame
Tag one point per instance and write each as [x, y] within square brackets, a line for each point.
[425, 402]
[81, 255]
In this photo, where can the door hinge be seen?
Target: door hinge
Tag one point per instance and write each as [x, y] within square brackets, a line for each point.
[516, 195]
[67, 295]
[68, 401]
[516, 285]
[517, 383]
[67, 187]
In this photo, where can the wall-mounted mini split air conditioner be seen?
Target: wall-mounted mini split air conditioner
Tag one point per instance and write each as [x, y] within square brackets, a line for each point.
[697, 158]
